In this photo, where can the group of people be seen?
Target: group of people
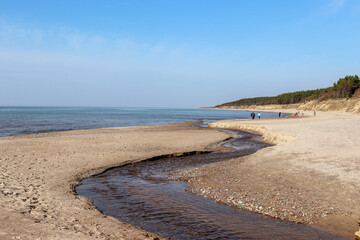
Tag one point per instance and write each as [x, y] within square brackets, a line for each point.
[297, 114]
[252, 115]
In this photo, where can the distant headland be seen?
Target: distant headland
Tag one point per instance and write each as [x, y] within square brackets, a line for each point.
[344, 95]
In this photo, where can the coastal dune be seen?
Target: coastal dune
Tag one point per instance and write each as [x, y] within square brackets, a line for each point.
[342, 104]
[310, 176]
[38, 173]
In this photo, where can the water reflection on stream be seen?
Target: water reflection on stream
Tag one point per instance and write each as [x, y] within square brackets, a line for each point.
[142, 195]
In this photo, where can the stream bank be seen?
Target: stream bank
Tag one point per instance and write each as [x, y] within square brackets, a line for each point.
[144, 194]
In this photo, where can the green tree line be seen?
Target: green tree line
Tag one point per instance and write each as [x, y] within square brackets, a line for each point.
[343, 88]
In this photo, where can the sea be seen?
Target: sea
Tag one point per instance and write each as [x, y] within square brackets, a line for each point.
[30, 120]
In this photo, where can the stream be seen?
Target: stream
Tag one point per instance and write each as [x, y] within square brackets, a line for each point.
[143, 195]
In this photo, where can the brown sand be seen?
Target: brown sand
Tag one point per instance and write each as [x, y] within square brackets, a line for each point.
[38, 171]
[311, 176]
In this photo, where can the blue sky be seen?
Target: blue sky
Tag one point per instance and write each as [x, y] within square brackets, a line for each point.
[176, 53]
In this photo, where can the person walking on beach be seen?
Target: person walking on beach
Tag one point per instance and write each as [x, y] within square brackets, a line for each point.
[259, 115]
[314, 113]
[279, 114]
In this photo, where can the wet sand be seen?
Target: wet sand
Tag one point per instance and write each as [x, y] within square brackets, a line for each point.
[311, 176]
[37, 173]
[142, 194]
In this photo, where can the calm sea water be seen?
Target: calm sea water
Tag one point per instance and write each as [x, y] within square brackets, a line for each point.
[27, 120]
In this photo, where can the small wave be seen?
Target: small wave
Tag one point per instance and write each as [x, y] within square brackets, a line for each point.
[45, 131]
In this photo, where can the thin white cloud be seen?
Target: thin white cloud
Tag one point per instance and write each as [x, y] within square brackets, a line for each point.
[334, 6]
[75, 41]
[9, 32]
[64, 40]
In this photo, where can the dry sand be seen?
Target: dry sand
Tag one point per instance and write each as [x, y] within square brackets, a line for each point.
[38, 171]
[311, 176]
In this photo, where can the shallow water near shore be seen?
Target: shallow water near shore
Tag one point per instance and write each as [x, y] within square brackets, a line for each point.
[144, 195]
[29, 120]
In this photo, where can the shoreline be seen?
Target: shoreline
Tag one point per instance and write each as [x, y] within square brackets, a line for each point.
[103, 228]
[39, 171]
[288, 112]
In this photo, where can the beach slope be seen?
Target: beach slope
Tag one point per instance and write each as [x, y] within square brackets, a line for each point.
[38, 173]
[310, 176]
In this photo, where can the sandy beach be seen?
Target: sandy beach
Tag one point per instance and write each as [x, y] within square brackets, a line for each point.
[309, 176]
[38, 172]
